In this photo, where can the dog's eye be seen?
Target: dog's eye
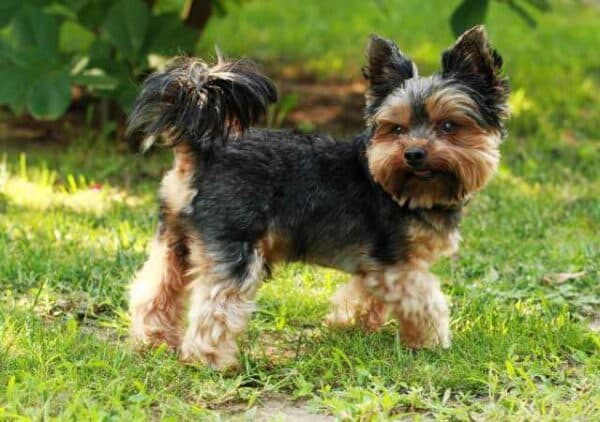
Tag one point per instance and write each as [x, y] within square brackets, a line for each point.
[448, 127]
[399, 130]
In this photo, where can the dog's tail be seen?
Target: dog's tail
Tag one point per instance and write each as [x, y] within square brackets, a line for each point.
[191, 102]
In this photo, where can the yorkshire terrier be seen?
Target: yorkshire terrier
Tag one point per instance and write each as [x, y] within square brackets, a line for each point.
[383, 206]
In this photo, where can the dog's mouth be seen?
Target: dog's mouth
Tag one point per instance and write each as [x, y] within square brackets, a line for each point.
[423, 174]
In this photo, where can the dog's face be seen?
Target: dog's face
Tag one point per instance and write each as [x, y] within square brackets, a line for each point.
[435, 139]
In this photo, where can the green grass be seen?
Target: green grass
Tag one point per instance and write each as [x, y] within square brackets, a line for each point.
[75, 223]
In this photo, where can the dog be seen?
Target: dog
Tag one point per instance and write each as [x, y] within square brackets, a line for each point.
[383, 206]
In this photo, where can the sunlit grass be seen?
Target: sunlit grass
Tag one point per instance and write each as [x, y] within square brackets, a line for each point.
[521, 348]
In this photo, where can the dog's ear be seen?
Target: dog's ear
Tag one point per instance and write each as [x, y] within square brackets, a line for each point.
[474, 63]
[471, 56]
[387, 67]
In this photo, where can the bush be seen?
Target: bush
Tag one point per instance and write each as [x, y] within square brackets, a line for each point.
[104, 46]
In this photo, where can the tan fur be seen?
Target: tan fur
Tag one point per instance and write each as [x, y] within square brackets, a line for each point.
[422, 311]
[354, 305]
[450, 103]
[396, 110]
[176, 187]
[415, 299]
[156, 298]
[275, 247]
[408, 290]
[156, 295]
[471, 154]
[385, 157]
[219, 311]
[428, 244]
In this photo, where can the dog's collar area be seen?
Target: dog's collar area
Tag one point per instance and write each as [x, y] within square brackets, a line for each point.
[443, 207]
[447, 208]
[440, 217]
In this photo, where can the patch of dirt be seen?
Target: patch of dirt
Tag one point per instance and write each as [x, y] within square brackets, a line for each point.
[592, 3]
[106, 334]
[275, 408]
[594, 325]
[17, 130]
[328, 106]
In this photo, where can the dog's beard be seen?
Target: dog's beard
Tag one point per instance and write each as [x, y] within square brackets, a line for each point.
[427, 188]
[449, 176]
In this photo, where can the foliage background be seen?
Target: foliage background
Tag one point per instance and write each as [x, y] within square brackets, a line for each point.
[103, 45]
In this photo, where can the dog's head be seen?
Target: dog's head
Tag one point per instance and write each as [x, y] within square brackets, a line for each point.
[435, 139]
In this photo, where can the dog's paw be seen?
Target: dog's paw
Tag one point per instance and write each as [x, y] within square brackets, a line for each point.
[340, 318]
[425, 336]
[370, 319]
[221, 359]
[143, 336]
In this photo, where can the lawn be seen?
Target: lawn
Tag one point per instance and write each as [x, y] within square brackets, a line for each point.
[75, 222]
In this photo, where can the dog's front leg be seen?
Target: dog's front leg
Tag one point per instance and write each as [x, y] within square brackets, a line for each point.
[354, 305]
[416, 300]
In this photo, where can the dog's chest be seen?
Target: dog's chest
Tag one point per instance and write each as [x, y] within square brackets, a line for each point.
[425, 244]
[419, 246]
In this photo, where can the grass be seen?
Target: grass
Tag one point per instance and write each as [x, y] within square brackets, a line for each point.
[75, 223]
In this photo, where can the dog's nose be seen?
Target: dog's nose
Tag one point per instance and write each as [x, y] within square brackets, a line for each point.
[415, 156]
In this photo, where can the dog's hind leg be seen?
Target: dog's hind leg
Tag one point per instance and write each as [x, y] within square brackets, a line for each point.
[219, 310]
[156, 295]
[354, 305]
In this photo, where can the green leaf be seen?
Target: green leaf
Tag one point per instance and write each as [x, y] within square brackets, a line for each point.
[8, 8]
[126, 25]
[78, 5]
[6, 52]
[92, 14]
[14, 84]
[541, 5]
[170, 36]
[468, 14]
[75, 38]
[100, 54]
[33, 74]
[19, 69]
[96, 79]
[60, 10]
[524, 14]
[169, 6]
[33, 28]
[126, 94]
[50, 96]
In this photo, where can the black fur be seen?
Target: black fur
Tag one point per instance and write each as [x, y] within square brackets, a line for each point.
[315, 191]
[387, 69]
[476, 66]
[201, 104]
